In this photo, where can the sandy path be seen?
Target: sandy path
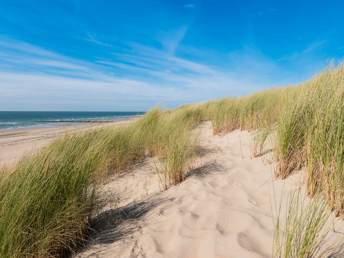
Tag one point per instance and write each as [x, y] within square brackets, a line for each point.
[221, 210]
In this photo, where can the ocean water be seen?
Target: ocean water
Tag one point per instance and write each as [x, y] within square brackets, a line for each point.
[11, 120]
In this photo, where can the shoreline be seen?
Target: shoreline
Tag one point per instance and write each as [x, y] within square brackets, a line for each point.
[54, 124]
[16, 142]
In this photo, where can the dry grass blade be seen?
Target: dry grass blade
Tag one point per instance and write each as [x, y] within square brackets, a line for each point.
[306, 226]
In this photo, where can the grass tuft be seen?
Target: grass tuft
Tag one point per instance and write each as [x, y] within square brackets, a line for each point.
[305, 229]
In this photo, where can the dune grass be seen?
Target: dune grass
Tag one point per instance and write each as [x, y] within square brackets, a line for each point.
[307, 124]
[311, 134]
[308, 121]
[305, 229]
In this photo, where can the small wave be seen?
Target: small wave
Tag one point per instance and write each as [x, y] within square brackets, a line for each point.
[87, 119]
[8, 123]
[32, 126]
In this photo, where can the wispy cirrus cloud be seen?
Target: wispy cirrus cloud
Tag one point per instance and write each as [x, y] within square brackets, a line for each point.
[316, 45]
[91, 38]
[171, 39]
[140, 75]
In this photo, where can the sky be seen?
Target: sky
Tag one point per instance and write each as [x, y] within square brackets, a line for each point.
[82, 55]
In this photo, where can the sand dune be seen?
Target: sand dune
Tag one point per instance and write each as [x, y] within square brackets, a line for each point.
[222, 209]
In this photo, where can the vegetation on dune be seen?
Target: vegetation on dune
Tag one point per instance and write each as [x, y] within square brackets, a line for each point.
[48, 198]
[310, 134]
[309, 123]
[305, 229]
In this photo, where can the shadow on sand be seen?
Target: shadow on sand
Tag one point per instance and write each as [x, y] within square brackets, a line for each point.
[126, 223]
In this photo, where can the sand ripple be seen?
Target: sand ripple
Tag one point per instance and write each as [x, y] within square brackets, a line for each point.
[221, 210]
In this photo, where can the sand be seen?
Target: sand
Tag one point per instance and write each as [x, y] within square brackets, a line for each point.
[222, 209]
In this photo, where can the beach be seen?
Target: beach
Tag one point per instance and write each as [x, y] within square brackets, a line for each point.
[15, 143]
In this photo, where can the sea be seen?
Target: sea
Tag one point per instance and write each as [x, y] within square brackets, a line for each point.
[11, 120]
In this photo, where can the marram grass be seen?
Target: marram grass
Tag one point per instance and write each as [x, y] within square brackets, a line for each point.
[310, 134]
[305, 229]
[308, 121]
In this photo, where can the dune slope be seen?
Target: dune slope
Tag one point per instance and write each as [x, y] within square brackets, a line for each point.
[222, 209]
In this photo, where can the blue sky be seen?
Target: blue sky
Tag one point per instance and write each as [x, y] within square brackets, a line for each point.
[84, 55]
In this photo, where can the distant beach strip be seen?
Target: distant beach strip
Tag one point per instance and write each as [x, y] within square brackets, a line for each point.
[12, 120]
